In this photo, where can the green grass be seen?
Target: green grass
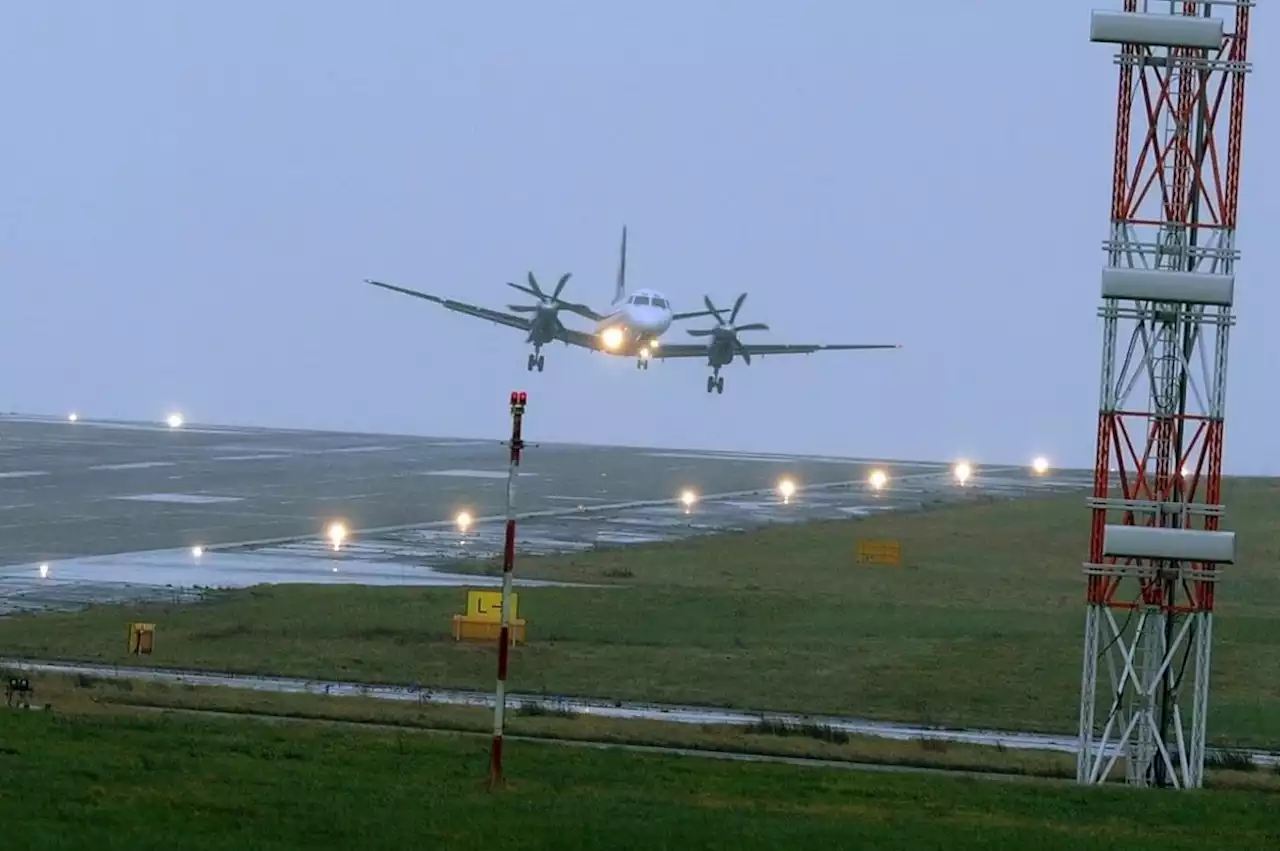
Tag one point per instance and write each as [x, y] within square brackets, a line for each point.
[134, 783]
[981, 626]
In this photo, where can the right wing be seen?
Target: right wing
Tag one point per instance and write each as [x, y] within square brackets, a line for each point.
[508, 319]
[566, 335]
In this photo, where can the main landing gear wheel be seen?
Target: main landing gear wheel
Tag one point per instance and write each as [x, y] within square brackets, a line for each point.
[537, 361]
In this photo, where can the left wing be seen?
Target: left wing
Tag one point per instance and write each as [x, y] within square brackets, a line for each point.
[686, 350]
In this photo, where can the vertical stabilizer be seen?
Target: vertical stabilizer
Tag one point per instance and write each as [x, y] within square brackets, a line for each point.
[620, 288]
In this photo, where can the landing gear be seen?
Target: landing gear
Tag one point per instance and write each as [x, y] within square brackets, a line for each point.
[642, 363]
[536, 360]
[716, 383]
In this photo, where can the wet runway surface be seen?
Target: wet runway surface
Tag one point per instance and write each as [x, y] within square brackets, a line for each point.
[109, 512]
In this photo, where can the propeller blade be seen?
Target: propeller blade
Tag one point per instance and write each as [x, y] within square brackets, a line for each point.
[701, 332]
[560, 286]
[533, 282]
[706, 299]
[737, 305]
[751, 326]
[743, 351]
[522, 308]
[522, 288]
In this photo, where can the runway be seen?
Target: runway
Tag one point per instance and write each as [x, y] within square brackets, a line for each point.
[105, 512]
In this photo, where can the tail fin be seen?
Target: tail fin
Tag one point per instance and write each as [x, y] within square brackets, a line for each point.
[620, 288]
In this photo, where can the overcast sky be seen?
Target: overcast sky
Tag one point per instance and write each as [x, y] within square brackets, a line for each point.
[194, 193]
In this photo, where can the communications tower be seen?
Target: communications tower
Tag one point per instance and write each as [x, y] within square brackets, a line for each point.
[1155, 549]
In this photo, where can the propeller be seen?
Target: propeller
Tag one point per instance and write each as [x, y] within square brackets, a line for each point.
[727, 330]
[546, 301]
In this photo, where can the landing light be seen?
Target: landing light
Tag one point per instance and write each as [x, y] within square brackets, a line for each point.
[196, 552]
[463, 521]
[73, 416]
[337, 534]
[644, 353]
[1040, 465]
[963, 470]
[175, 421]
[877, 479]
[611, 337]
[787, 488]
[1186, 471]
[44, 571]
[688, 498]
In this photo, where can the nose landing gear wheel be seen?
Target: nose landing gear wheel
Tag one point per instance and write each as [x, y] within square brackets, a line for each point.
[531, 363]
[711, 383]
[720, 384]
[541, 362]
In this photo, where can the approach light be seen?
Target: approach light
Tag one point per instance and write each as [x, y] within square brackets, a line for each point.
[963, 470]
[175, 421]
[688, 498]
[787, 488]
[463, 521]
[44, 571]
[878, 479]
[611, 337]
[1040, 465]
[73, 416]
[337, 534]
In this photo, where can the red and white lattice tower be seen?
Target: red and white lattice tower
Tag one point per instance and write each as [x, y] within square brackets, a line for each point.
[1155, 550]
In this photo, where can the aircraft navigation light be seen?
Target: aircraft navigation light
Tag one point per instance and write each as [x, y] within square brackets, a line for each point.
[688, 498]
[1040, 465]
[877, 479]
[196, 552]
[337, 534]
[44, 571]
[175, 421]
[787, 488]
[73, 416]
[464, 520]
[611, 337]
[963, 470]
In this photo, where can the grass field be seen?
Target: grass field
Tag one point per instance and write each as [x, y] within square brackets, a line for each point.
[981, 626]
[137, 783]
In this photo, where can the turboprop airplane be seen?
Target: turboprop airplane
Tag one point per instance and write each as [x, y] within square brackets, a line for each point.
[633, 323]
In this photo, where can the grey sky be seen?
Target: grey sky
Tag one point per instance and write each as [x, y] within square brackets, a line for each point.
[195, 191]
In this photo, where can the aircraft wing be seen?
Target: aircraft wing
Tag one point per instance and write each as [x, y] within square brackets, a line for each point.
[508, 319]
[687, 350]
[676, 317]
[568, 336]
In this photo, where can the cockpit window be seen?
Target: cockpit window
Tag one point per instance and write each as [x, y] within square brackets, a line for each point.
[659, 302]
[642, 299]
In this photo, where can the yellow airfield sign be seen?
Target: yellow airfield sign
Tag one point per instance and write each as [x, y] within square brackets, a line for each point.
[487, 606]
[887, 553]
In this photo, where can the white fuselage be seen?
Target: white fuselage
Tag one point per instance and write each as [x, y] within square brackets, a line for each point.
[636, 323]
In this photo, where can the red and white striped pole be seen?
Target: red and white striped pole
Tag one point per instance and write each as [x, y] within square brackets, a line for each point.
[518, 399]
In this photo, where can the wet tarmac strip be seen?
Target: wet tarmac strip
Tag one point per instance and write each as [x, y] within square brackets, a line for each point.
[587, 706]
[420, 554]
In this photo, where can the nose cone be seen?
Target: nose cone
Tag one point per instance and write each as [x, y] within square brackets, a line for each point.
[649, 319]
